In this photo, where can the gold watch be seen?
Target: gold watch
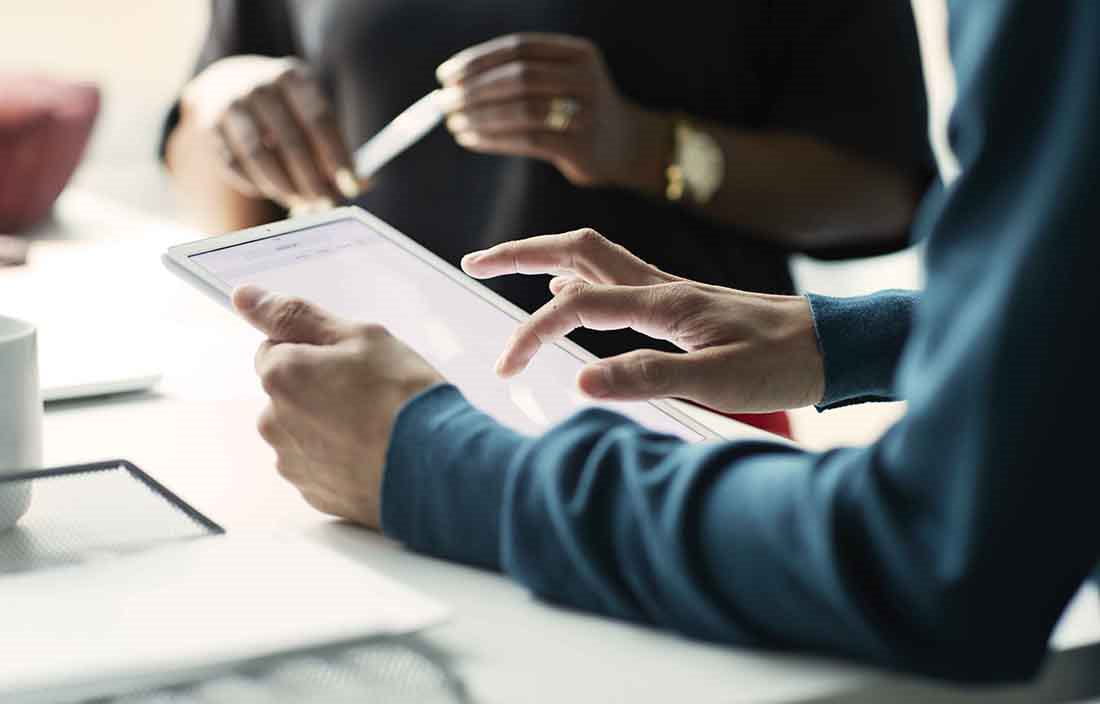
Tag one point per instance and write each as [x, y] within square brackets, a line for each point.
[697, 167]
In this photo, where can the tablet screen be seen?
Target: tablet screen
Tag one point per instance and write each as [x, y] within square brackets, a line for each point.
[353, 271]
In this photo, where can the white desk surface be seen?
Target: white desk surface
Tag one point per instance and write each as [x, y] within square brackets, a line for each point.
[196, 434]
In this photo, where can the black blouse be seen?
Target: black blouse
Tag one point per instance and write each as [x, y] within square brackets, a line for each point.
[846, 71]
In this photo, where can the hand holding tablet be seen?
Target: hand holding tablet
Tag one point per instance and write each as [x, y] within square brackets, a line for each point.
[335, 387]
[359, 320]
[353, 266]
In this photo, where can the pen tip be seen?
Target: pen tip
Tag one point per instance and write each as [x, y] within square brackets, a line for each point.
[348, 184]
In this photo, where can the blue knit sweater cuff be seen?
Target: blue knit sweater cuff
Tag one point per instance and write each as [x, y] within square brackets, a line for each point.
[861, 342]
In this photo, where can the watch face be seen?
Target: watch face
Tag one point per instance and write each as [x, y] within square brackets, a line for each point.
[702, 162]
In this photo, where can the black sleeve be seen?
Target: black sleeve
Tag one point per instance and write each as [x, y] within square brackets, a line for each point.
[239, 27]
[849, 73]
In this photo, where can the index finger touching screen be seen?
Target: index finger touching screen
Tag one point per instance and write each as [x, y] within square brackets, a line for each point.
[356, 272]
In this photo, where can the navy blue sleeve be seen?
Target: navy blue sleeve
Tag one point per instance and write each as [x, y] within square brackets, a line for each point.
[951, 546]
[861, 341]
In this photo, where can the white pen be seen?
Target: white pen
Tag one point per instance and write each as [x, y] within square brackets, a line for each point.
[402, 132]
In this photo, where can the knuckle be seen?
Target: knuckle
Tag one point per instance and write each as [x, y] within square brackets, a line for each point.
[676, 304]
[274, 381]
[285, 468]
[290, 76]
[287, 317]
[652, 372]
[282, 376]
[267, 426]
[587, 240]
[318, 502]
[372, 331]
[293, 68]
[685, 294]
[259, 93]
[573, 292]
[524, 73]
[295, 367]
[514, 42]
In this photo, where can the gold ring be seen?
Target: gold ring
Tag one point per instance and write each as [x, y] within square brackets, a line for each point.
[561, 114]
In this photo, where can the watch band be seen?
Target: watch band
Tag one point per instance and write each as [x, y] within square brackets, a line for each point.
[675, 185]
[697, 166]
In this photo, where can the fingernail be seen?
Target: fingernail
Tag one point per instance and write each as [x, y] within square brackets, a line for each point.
[450, 98]
[301, 207]
[472, 258]
[348, 184]
[597, 384]
[448, 69]
[458, 122]
[467, 139]
[297, 206]
[247, 298]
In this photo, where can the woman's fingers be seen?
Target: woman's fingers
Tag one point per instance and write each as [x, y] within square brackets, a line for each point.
[530, 114]
[283, 138]
[519, 79]
[229, 166]
[290, 143]
[317, 119]
[580, 304]
[584, 254]
[512, 47]
[256, 156]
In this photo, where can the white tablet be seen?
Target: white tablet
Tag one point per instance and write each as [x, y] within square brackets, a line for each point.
[356, 266]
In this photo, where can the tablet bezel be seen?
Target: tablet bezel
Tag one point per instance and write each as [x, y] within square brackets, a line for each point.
[178, 260]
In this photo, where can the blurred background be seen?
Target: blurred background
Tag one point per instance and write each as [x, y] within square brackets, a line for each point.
[140, 53]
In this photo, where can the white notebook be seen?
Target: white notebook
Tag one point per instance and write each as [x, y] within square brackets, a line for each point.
[188, 610]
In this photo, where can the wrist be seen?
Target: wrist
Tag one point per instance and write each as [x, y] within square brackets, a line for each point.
[649, 148]
[815, 359]
[799, 339]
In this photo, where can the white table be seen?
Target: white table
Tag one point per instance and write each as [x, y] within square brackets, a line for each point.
[196, 434]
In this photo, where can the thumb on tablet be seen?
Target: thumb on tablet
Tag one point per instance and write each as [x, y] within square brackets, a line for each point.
[287, 319]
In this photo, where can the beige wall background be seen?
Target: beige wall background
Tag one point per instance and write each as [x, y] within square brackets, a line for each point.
[140, 52]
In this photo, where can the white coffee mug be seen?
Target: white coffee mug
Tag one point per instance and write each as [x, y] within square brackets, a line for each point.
[20, 415]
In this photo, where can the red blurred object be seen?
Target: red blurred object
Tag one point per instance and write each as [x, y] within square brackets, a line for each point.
[44, 126]
[778, 423]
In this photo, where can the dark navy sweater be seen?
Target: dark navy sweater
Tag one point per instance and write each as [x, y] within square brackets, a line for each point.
[950, 546]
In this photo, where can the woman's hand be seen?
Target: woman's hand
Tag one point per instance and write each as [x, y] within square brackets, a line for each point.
[550, 96]
[269, 130]
[746, 352]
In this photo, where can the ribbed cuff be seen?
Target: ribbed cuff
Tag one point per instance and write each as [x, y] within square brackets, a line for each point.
[861, 342]
[443, 487]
